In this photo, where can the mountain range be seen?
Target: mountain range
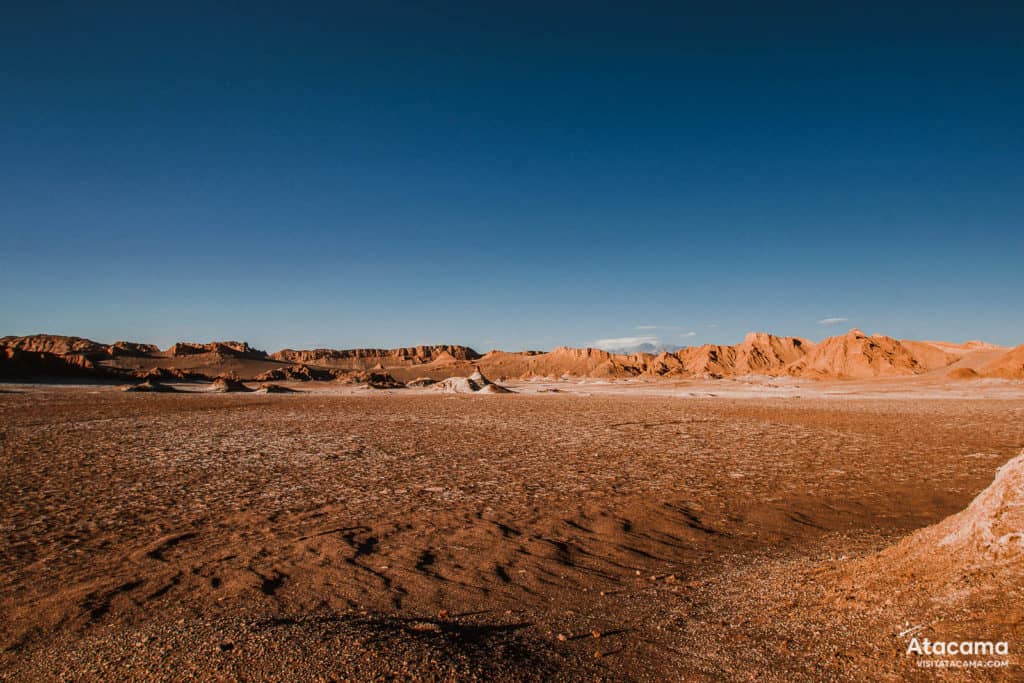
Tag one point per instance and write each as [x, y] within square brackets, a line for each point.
[854, 355]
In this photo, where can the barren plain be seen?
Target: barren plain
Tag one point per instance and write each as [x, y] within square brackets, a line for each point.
[604, 531]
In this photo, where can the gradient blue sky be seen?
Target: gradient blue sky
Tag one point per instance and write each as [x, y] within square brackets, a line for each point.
[514, 175]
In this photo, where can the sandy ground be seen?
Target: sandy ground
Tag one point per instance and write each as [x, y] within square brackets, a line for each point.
[617, 531]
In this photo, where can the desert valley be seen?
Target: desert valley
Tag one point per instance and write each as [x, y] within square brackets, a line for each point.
[777, 509]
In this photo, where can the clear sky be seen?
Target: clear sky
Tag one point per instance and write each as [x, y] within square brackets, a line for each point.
[512, 175]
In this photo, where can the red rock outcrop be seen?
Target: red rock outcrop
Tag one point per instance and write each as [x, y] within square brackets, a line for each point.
[367, 358]
[855, 355]
[227, 349]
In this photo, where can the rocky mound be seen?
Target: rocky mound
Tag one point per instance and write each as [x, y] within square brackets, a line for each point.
[421, 382]
[274, 389]
[149, 386]
[164, 374]
[1010, 365]
[227, 385]
[297, 373]
[374, 379]
[962, 373]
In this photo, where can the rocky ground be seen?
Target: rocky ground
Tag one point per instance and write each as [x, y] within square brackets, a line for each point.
[532, 536]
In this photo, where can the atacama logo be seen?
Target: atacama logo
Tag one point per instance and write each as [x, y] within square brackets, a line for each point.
[956, 654]
[940, 648]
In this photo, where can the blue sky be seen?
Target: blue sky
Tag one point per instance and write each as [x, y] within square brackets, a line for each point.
[512, 175]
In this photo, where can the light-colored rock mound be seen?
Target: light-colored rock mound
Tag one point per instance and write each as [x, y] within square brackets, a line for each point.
[226, 385]
[1009, 365]
[456, 385]
[990, 532]
[475, 383]
[856, 355]
[149, 387]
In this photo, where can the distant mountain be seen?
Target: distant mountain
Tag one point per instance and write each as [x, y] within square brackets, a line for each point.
[646, 347]
[854, 355]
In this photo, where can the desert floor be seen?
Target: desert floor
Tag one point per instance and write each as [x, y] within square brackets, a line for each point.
[697, 531]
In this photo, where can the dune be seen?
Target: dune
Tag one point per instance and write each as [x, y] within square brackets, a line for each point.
[1009, 365]
[931, 356]
[962, 373]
